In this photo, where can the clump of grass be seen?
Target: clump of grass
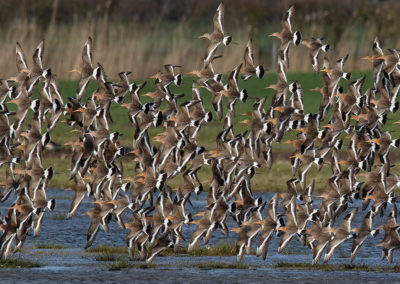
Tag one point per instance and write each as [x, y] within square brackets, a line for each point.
[46, 252]
[51, 246]
[59, 216]
[337, 267]
[105, 256]
[17, 263]
[357, 267]
[289, 251]
[118, 265]
[107, 250]
[122, 264]
[142, 265]
[220, 265]
[171, 252]
[222, 249]
[396, 268]
[309, 266]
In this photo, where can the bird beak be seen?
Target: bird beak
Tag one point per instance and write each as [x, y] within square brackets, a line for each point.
[239, 201]
[383, 57]
[136, 151]
[279, 108]
[328, 126]
[305, 43]
[75, 71]
[223, 92]
[326, 70]
[98, 96]
[13, 101]
[296, 156]
[79, 110]
[26, 70]
[150, 94]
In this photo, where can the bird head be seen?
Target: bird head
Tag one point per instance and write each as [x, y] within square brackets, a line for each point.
[237, 230]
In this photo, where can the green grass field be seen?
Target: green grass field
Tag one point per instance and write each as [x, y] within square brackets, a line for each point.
[265, 179]
[208, 133]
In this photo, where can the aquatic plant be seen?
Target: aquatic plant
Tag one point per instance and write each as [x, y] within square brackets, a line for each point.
[337, 267]
[105, 256]
[123, 264]
[59, 216]
[107, 250]
[222, 249]
[18, 263]
[220, 265]
[50, 246]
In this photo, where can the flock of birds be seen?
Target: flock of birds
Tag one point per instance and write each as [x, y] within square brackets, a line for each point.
[160, 212]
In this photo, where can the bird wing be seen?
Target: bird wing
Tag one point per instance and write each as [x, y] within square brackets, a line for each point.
[38, 55]
[248, 54]
[287, 19]
[21, 61]
[219, 19]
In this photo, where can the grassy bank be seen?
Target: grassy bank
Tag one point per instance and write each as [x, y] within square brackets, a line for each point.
[264, 180]
[18, 263]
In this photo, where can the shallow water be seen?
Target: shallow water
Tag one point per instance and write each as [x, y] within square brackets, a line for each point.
[75, 265]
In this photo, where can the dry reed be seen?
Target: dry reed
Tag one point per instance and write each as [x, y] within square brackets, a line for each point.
[143, 43]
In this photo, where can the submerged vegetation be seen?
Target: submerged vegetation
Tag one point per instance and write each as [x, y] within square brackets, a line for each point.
[222, 249]
[123, 264]
[107, 250]
[220, 265]
[58, 217]
[17, 263]
[338, 267]
[105, 256]
[289, 251]
[51, 246]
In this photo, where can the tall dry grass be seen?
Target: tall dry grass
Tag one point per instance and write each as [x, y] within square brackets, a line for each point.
[134, 47]
[144, 44]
